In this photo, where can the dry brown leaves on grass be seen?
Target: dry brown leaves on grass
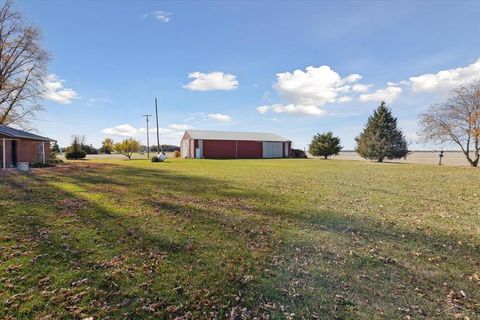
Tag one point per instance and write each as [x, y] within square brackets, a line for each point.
[71, 206]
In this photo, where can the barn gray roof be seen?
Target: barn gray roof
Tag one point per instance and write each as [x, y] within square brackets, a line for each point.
[229, 135]
[20, 134]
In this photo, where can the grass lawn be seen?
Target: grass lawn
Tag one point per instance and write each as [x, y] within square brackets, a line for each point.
[285, 239]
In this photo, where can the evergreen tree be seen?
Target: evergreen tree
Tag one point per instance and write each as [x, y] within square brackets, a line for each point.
[56, 148]
[381, 138]
[325, 145]
[75, 150]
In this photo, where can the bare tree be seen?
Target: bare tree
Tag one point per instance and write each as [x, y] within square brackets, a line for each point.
[22, 68]
[456, 121]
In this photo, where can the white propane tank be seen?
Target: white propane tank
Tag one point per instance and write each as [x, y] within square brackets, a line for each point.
[23, 166]
[161, 157]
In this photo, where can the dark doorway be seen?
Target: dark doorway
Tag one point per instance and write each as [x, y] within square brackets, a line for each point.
[14, 153]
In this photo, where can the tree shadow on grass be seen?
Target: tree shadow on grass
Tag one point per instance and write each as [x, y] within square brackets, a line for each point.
[129, 267]
[181, 237]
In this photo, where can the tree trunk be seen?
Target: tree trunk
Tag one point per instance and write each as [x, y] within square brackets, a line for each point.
[380, 160]
[326, 157]
[473, 163]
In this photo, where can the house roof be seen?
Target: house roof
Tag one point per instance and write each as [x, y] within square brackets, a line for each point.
[20, 134]
[229, 135]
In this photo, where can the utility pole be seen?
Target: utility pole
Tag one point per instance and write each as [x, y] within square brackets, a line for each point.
[148, 134]
[158, 135]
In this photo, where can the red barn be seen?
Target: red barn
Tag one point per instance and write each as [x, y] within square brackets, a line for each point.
[233, 145]
[21, 146]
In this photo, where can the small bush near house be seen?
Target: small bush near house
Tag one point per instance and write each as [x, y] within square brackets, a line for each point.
[49, 163]
[155, 159]
[75, 155]
[176, 154]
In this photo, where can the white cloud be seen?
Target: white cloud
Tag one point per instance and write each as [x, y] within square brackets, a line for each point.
[124, 130]
[211, 81]
[219, 117]
[308, 91]
[293, 109]
[315, 86]
[445, 80]
[263, 109]
[387, 94]
[360, 88]
[159, 15]
[344, 99]
[55, 90]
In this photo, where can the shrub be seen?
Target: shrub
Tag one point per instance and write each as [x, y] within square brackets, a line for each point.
[155, 159]
[176, 154]
[39, 164]
[75, 155]
[297, 153]
[49, 163]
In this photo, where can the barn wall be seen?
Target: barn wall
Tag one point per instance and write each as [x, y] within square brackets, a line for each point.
[219, 149]
[229, 149]
[249, 149]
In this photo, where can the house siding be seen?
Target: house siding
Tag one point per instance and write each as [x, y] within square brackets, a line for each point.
[27, 151]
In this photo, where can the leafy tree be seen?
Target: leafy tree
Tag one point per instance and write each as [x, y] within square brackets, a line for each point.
[456, 121]
[75, 151]
[381, 138]
[107, 146]
[23, 68]
[127, 147]
[325, 145]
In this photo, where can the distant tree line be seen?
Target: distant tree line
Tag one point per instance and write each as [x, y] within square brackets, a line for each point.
[79, 149]
[165, 148]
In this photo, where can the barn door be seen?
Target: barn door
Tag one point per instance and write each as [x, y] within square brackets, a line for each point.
[272, 150]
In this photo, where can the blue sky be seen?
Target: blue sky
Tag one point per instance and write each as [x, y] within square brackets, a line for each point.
[292, 68]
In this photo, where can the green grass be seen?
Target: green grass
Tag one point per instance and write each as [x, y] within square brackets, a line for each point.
[237, 239]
